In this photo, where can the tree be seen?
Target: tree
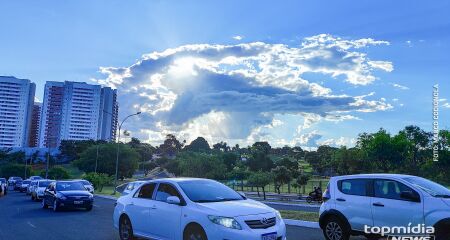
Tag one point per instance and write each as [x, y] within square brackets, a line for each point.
[198, 145]
[302, 180]
[201, 165]
[128, 159]
[13, 169]
[260, 180]
[262, 146]
[282, 176]
[57, 173]
[99, 180]
[222, 146]
[239, 173]
[259, 160]
[15, 157]
[229, 159]
[171, 146]
[71, 149]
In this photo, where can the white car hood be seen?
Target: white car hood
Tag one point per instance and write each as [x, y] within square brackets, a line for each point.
[235, 208]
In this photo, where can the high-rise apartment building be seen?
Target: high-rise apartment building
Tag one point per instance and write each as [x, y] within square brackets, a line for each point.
[76, 111]
[33, 140]
[16, 105]
[108, 113]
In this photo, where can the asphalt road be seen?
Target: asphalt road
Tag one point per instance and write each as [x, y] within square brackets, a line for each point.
[22, 219]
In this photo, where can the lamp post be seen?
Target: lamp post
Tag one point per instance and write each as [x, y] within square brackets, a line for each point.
[118, 145]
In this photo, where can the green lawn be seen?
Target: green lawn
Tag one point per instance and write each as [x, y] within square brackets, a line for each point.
[322, 182]
[300, 215]
[108, 190]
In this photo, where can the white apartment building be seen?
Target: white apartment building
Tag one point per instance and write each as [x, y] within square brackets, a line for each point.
[75, 111]
[16, 106]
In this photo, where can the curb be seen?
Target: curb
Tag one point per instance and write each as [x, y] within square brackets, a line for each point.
[291, 205]
[301, 223]
[290, 222]
[106, 197]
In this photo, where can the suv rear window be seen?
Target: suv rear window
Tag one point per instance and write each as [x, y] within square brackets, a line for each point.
[353, 186]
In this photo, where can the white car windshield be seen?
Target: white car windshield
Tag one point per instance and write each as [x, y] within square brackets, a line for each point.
[434, 189]
[208, 191]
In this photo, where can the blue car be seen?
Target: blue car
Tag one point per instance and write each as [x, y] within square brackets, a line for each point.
[67, 194]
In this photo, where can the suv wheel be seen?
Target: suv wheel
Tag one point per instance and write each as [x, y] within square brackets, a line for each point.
[335, 229]
[194, 232]
[125, 229]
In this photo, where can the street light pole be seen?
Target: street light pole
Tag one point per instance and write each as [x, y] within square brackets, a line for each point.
[118, 145]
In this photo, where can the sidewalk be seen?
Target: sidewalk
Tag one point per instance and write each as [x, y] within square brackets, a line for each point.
[290, 222]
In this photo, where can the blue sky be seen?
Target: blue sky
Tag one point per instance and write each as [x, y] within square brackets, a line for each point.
[72, 40]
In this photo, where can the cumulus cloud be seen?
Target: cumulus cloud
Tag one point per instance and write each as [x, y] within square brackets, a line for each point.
[338, 142]
[228, 91]
[237, 37]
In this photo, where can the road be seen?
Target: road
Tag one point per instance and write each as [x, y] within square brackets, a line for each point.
[22, 219]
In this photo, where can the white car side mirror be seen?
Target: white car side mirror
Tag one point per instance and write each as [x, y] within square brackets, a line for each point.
[173, 200]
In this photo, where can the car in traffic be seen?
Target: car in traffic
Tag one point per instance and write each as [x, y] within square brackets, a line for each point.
[24, 186]
[12, 180]
[38, 191]
[88, 185]
[189, 208]
[31, 186]
[4, 185]
[67, 194]
[355, 203]
[17, 184]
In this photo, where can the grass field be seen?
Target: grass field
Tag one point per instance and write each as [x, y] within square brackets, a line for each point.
[300, 215]
[108, 190]
[322, 182]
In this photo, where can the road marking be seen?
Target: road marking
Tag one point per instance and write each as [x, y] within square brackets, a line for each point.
[31, 225]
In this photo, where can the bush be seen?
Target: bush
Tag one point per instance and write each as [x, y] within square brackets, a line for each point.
[99, 180]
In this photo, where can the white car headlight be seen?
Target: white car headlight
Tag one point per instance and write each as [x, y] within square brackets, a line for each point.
[278, 215]
[226, 222]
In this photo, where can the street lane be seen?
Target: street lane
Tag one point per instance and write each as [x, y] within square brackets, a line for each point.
[22, 219]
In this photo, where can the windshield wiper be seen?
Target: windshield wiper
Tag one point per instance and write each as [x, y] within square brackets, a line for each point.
[217, 200]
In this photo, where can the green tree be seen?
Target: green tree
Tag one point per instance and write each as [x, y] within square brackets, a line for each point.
[171, 146]
[260, 180]
[198, 145]
[201, 165]
[128, 159]
[229, 159]
[71, 149]
[99, 180]
[239, 173]
[13, 169]
[282, 176]
[221, 146]
[302, 180]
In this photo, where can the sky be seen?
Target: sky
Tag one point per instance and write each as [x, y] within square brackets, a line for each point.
[298, 73]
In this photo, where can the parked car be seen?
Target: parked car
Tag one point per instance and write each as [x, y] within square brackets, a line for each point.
[188, 208]
[18, 185]
[88, 185]
[31, 186]
[67, 194]
[24, 186]
[4, 185]
[38, 191]
[12, 180]
[129, 187]
[383, 200]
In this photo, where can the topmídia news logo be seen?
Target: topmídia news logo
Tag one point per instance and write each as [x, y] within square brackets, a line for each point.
[417, 232]
[410, 238]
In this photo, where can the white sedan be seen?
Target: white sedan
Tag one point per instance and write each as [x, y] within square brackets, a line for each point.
[194, 209]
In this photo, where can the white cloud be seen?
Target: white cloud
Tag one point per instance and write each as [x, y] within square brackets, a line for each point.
[229, 91]
[401, 87]
[237, 37]
[308, 139]
[338, 142]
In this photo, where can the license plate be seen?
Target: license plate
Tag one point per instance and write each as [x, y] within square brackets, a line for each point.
[269, 236]
[77, 202]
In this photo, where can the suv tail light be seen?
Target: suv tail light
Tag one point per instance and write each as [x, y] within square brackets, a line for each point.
[327, 194]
